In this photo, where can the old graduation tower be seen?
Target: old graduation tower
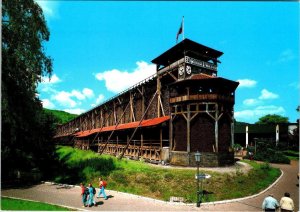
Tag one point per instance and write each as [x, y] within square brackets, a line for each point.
[183, 108]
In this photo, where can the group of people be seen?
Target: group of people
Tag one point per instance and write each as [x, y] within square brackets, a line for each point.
[88, 193]
[285, 204]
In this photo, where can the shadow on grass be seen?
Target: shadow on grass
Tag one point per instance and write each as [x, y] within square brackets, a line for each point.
[75, 172]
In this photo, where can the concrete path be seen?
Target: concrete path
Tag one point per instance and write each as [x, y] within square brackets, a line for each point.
[118, 201]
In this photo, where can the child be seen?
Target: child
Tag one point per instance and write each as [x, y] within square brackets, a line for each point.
[102, 185]
[83, 195]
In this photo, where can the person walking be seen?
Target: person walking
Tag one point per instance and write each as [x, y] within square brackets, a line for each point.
[286, 203]
[270, 203]
[102, 185]
[92, 192]
[83, 195]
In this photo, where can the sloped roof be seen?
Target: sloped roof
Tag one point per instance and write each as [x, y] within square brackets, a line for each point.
[144, 123]
[186, 46]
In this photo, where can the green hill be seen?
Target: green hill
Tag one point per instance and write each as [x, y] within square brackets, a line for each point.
[61, 116]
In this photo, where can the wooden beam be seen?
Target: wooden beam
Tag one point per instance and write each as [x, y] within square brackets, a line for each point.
[112, 132]
[158, 90]
[115, 116]
[188, 129]
[171, 132]
[128, 142]
[217, 128]
[162, 107]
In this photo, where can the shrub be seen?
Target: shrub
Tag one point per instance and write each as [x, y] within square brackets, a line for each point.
[265, 166]
[267, 151]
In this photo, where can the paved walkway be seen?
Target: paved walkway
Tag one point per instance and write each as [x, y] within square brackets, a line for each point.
[118, 201]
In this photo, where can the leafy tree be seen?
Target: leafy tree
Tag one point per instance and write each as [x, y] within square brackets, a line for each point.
[272, 119]
[26, 129]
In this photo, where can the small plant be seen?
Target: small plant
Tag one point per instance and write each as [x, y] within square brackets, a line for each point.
[265, 166]
[168, 176]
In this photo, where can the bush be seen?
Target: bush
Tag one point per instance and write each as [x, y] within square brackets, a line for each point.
[267, 151]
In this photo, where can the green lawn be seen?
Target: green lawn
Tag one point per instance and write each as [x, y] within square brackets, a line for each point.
[141, 178]
[24, 205]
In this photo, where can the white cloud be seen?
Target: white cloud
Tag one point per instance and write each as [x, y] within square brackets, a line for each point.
[47, 104]
[100, 99]
[117, 80]
[253, 115]
[88, 92]
[64, 98]
[248, 83]
[77, 111]
[77, 94]
[265, 94]
[54, 79]
[251, 102]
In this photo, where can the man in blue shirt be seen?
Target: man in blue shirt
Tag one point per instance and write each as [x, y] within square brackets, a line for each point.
[270, 203]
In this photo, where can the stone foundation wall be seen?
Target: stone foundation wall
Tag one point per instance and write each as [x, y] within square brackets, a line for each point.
[208, 159]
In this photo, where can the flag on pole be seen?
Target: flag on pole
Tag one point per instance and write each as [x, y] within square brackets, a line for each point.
[180, 31]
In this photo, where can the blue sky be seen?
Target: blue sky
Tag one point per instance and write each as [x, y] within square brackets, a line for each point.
[101, 48]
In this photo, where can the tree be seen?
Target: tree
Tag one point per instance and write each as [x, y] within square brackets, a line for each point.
[272, 119]
[26, 130]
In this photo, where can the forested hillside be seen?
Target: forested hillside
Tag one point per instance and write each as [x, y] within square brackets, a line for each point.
[61, 117]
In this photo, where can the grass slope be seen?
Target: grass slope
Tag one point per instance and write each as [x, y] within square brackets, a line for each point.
[61, 116]
[24, 205]
[159, 182]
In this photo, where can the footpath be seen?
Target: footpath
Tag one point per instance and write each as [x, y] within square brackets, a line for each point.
[69, 196]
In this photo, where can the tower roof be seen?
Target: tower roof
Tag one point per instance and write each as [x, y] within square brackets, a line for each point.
[187, 47]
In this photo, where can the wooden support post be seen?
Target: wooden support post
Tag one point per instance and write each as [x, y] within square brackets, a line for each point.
[232, 132]
[115, 116]
[142, 139]
[117, 152]
[217, 127]
[132, 117]
[143, 100]
[188, 129]
[171, 133]
[158, 96]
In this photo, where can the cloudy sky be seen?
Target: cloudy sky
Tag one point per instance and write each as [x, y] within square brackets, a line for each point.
[102, 48]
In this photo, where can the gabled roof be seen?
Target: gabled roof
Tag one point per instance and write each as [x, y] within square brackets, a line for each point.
[188, 47]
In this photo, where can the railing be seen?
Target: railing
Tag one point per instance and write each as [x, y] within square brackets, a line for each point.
[137, 152]
[202, 97]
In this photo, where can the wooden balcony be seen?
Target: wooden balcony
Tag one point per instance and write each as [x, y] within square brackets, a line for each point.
[203, 97]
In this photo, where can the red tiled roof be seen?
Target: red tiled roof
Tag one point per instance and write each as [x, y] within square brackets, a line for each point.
[144, 123]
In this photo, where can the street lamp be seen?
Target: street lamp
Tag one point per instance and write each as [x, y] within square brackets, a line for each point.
[198, 159]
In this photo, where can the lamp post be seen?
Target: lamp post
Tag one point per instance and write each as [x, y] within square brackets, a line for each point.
[198, 159]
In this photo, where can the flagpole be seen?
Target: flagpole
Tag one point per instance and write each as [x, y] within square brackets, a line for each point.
[182, 27]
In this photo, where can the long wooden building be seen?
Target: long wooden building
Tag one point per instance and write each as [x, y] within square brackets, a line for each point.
[183, 108]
